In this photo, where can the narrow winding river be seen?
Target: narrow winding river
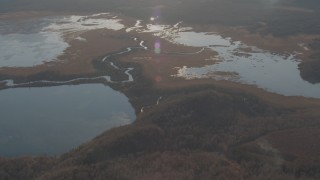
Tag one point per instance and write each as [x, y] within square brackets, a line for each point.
[53, 120]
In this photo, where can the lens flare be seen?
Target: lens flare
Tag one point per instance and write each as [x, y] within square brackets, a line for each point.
[158, 78]
[157, 47]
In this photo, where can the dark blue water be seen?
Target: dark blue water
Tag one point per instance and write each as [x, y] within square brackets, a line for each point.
[53, 120]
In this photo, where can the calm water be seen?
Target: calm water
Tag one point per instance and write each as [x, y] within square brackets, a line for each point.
[24, 44]
[238, 62]
[32, 42]
[273, 72]
[53, 120]
[27, 50]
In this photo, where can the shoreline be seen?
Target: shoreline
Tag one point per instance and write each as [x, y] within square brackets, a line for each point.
[145, 77]
[199, 129]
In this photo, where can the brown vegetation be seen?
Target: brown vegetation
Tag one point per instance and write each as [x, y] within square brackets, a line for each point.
[283, 17]
[310, 69]
[77, 59]
[201, 129]
[24, 168]
[202, 132]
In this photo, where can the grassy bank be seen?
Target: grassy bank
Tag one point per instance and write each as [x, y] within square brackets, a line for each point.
[195, 133]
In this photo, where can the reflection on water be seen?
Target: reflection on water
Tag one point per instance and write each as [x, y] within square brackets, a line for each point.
[25, 26]
[32, 42]
[237, 61]
[26, 50]
[70, 24]
[54, 120]
[250, 65]
[23, 44]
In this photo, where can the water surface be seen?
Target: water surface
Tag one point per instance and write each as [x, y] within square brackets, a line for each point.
[31, 42]
[238, 62]
[27, 50]
[249, 65]
[53, 120]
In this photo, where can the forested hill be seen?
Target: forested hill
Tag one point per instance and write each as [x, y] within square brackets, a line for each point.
[195, 133]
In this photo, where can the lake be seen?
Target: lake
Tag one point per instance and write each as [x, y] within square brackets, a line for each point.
[31, 42]
[272, 72]
[53, 120]
[237, 62]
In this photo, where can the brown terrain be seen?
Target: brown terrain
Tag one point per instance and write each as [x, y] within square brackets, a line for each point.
[77, 59]
[202, 129]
